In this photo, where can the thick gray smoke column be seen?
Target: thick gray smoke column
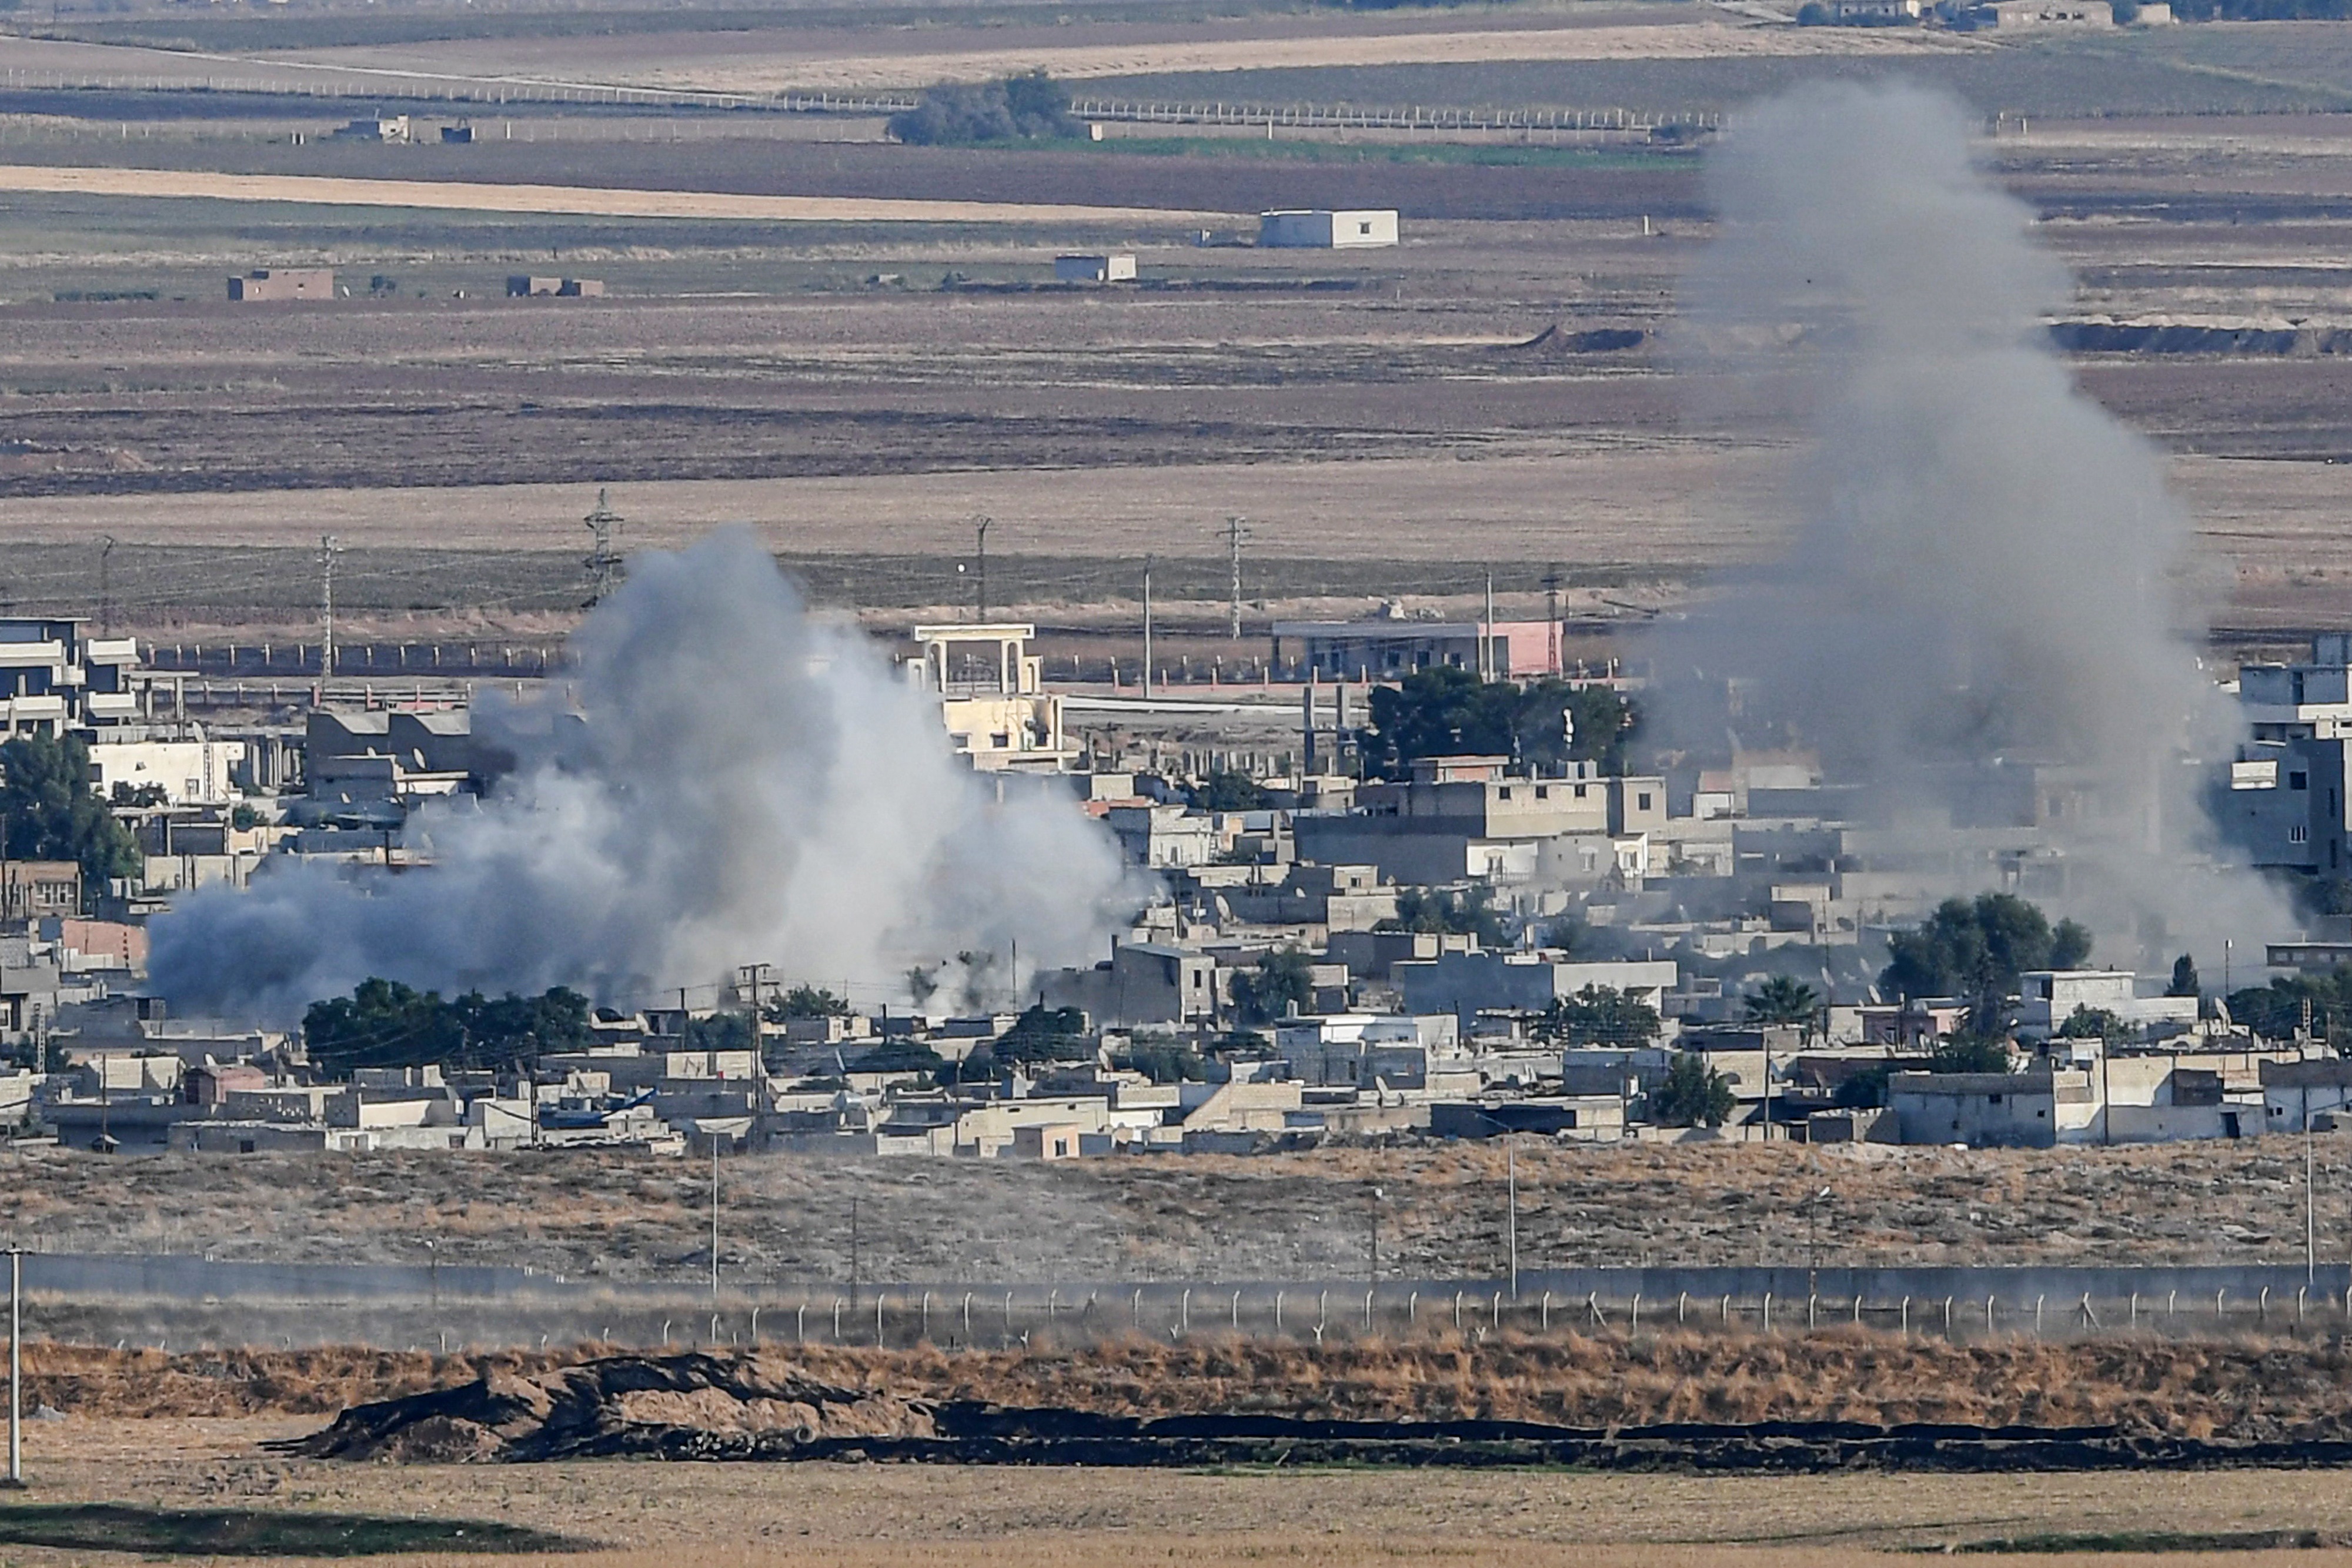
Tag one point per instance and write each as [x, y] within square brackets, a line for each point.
[1987, 564]
[744, 785]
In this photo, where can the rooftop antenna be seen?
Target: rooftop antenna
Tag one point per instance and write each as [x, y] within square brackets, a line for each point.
[106, 585]
[1235, 534]
[327, 603]
[603, 561]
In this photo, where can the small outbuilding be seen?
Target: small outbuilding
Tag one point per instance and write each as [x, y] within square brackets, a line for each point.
[1112, 268]
[1315, 230]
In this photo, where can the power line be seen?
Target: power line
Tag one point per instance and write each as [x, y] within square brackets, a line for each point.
[1235, 534]
[603, 561]
[327, 593]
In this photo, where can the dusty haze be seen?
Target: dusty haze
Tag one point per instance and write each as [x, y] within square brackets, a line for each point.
[742, 784]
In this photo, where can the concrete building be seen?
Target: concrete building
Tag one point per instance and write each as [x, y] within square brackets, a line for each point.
[2048, 997]
[2012, 16]
[1320, 230]
[1140, 983]
[279, 283]
[1115, 267]
[39, 890]
[530, 285]
[2300, 1093]
[2032, 1109]
[2284, 798]
[55, 680]
[1467, 984]
[1366, 1051]
[377, 128]
[189, 772]
[1381, 647]
[992, 696]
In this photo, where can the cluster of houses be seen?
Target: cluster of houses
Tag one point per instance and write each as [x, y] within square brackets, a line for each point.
[1422, 957]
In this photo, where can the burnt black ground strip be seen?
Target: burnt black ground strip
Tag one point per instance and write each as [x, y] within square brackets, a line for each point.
[258, 1532]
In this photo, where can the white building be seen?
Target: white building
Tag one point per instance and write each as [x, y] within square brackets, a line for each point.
[2035, 1110]
[2048, 997]
[189, 772]
[992, 696]
[1311, 230]
[1114, 267]
[54, 680]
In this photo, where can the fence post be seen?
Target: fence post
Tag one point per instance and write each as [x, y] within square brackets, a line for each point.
[967, 1317]
[1812, 1303]
[1858, 1308]
[1412, 1310]
[837, 1319]
[1727, 1312]
[2134, 1311]
[880, 1297]
[1906, 1317]
[1368, 1310]
[1682, 1308]
[2090, 1318]
[1765, 1317]
[1948, 1317]
[1546, 1312]
[2037, 1316]
[1277, 1311]
[1987, 1315]
[1008, 1315]
[1237, 1311]
[1184, 1310]
[1592, 1306]
[1495, 1315]
[2220, 1308]
[2263, 1306]
[1636, 1324]
[755, 1328]
[800, 1325]
[927, 1317]
[1135, 1310]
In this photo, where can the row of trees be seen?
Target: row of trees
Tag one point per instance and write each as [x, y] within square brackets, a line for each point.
[49, 811]
[1027, 108]
[1446, 712]
[384, 1024]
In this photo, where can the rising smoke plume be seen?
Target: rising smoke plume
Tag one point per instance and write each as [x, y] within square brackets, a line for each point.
[742, 784]
[1987, 571]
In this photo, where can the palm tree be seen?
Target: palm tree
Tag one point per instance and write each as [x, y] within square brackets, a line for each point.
[1784, 1000]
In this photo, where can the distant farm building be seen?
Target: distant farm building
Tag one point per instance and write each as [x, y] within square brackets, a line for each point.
[376, 128]
[2009, 15]
[284, 283]
[1327, 231]
[1116, 269]
[520, 286]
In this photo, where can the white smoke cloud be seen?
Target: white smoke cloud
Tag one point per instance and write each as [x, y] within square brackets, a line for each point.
[1987, 571]
[742, 784]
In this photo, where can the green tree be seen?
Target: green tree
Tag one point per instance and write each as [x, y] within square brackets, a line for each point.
[729, 1030]
[1978, 949]
[51, 812]
[2276, 1011]
[1969, 1053]
[899, 1056]
[2093, 1023]
[1692, 1094]
[805, 1002]
[1044, 1034]
[1444, 711]
[1164, 1063]
[1598, 1015]
[1784, 1000]
[1029, 106]
[1221, 791]
[384, 1024]
[2185, 982]
[1468, 914]
[1284, 976]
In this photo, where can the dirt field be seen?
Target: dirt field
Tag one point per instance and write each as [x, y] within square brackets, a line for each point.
[591, 1216]
[658, 1515]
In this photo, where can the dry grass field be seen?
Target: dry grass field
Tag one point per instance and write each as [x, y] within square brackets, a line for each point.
[628, 1218]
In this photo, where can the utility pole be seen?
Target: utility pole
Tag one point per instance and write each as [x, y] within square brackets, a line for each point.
[983, 551]
[106, 585]
[1551, 580]
[1379, 1195]
[752, 974]
[714, 1218]
[1235, 534]
[1511, 1180]
[1147, 626]
[604, 562]
[15, 1366]
[327, 599]
[2310, 1206]
[1486, 632]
